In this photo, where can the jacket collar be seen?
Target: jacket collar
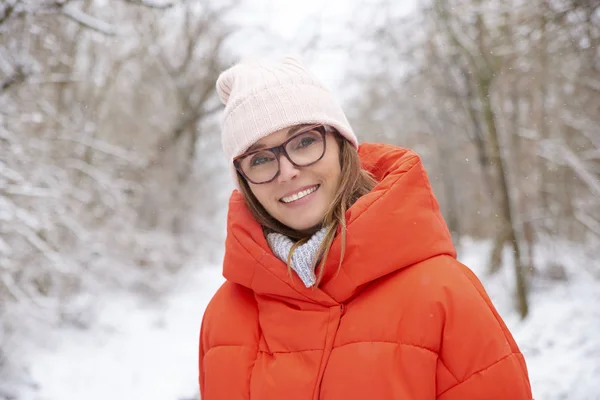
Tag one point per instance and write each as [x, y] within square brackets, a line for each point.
[396, 225]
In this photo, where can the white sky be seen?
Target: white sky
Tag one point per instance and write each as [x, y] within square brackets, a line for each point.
[281, 27]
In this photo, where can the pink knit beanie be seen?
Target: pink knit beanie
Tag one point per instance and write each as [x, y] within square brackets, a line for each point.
[262, 97]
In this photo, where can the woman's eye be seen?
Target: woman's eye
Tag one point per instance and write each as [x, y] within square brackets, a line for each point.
[259, 160]
[307, 141]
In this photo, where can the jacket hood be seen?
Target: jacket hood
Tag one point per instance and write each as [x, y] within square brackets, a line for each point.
[396, 225]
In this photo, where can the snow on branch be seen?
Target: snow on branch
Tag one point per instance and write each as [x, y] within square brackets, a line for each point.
[6, 135]
[588, 222]
[6, 11]
[74, 227]
[9, 173]
[584, 125]
[18, 76]
[108, 149]
[554, 151]
[5, 249]
[28, 226]
[591, 154]
[28, 191]
[88, 21]
[161, 5]
[44, 248]
[114, 188]
[579, 167]
[592, 84]
[12, 287]
[54, 79]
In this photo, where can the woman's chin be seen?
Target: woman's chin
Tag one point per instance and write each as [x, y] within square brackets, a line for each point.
[305, 228]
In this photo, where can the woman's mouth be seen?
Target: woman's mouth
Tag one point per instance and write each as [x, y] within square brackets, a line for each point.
[299, 195]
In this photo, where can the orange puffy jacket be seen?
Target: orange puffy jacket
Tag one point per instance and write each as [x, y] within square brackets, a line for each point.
[402, 319]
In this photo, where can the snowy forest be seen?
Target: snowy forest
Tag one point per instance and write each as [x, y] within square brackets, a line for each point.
[113, 187]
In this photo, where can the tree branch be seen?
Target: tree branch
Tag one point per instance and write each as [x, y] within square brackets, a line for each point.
[151, 4]
[16, 78]
[54, 78]
[88, 21]
[28, 191]
[107, 148]
[558, 151]
[440, 8]
[586, 220]
[7, 12]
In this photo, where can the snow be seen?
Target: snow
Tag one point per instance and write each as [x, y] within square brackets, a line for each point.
[136, 350]
[87, 20]
[560, 339]
[139, 350]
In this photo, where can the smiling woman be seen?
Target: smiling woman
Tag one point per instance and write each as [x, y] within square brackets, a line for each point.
[341, 277]
[297, 189]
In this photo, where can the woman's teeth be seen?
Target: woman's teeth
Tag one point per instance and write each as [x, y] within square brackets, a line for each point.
[299, 195]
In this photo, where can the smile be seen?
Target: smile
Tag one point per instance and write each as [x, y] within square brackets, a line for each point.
[299, 195]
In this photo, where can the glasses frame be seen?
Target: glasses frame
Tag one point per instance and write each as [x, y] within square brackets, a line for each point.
[280, 150]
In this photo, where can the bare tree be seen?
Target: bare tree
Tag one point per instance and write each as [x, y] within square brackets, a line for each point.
[481, 71]
[100, 107]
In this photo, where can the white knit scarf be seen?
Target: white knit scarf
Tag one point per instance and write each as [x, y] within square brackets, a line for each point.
[303, 256]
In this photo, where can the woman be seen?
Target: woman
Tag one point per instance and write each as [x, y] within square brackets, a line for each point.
[341, 277]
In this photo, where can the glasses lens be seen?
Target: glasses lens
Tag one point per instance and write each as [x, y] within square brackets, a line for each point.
[306, 148]
[259, 167]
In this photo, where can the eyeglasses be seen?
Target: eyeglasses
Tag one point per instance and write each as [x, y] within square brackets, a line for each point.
[302, 149]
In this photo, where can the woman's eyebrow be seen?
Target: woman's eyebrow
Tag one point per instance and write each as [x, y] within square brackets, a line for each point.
[255, 146]
[292, 130]
[296, 129]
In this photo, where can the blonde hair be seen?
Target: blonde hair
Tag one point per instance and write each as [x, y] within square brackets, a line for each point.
[354, 183]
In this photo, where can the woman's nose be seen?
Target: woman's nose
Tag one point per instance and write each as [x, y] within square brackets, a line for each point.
[287, 170]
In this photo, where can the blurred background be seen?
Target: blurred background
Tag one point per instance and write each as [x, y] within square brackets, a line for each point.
[113, 187]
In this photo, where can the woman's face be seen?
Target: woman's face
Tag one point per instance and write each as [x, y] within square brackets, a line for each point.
[299, 197]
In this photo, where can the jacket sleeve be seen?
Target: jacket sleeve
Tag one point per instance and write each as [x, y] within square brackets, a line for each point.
[202, 351]
[478, 358]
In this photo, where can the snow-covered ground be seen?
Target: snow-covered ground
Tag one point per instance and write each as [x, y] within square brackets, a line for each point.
[561, 337]
[135, 351]
[141, 351]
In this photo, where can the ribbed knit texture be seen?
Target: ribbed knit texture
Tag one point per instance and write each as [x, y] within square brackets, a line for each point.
[262, 97]
[303, 256]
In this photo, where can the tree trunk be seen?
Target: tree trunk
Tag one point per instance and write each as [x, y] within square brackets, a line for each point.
[483, 68]
[509, 230]
[544, 165]
[496, 256]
